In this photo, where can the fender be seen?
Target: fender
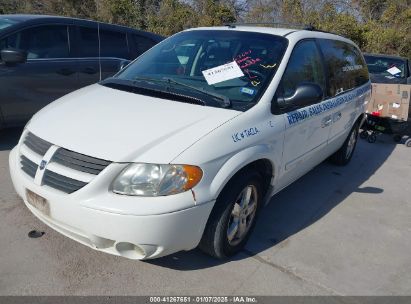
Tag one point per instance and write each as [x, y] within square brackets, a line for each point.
[239, 161]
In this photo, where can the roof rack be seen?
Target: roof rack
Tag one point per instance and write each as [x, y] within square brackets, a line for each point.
[308, 27]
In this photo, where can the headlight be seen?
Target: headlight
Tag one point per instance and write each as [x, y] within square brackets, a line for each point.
[156, 180]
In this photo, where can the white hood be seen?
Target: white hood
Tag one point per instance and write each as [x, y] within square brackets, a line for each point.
[125, 127]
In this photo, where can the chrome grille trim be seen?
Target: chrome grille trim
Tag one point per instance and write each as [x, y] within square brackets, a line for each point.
[36, 144]
[66, 171]
[79, 161]
[29, 167]
[61, 182]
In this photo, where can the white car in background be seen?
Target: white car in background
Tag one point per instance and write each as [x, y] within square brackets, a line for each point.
[184, 146]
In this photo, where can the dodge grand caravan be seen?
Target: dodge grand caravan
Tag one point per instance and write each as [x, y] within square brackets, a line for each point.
[184, 146]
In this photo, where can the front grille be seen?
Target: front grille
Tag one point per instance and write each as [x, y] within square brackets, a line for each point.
[28, 166]
[79, 161]
[71, 171]
[36, 144]
[61, 182]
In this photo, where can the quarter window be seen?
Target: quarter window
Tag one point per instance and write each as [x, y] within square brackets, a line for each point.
[41, 42]
[346, 68]
[304, 65]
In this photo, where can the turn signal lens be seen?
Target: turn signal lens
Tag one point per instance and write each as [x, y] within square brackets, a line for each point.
[194, 175]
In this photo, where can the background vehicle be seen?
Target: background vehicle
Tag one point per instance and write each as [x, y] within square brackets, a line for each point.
[378, 66]
[45, 57]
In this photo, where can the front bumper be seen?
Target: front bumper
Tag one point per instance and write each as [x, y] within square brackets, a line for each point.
[117, 224]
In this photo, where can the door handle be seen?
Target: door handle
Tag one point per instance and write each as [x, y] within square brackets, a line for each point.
[89, 70]
[337, 116]
[326, 122]
[65, 72]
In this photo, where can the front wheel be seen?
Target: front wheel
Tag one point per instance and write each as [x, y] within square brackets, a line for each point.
[233, 217]
[344, 154]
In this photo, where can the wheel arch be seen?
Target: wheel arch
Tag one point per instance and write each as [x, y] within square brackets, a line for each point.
[254, 158]
[360, 120]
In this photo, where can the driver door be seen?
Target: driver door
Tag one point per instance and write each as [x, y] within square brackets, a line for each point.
[307, 128]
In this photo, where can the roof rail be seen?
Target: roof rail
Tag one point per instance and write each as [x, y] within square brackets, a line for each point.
[306, 27]
[274, 24]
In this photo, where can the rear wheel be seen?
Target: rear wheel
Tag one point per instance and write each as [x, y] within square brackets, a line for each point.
[364, 134]
[372, 138]
[408, 143]
[233, 217]
[344, 154]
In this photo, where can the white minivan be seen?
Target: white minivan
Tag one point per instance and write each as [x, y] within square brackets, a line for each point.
[184, 146]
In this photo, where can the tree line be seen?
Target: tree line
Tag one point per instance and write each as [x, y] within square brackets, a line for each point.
[377, 26]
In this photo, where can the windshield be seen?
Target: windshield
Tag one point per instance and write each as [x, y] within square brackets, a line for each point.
[6, 22]
[231, 67]
[389, 68]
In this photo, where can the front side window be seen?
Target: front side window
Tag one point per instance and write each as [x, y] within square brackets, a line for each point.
[304, 66]
[234, 65]
[11, 42]
[40, 42]
[346, 68]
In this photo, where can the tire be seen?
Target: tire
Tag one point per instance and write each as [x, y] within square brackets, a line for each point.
[343, 156]
[364, 134]
[216, 240]
[408, 143]
[372, 138]
[397, 138]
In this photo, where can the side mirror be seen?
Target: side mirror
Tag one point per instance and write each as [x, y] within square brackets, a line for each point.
[13, 56]
[305, 94]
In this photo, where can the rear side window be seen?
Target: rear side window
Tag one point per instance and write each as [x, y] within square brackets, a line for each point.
[88, 42]
[304, 65]
[141, 44]
[345, 66]
[41, 42]
[113, 44]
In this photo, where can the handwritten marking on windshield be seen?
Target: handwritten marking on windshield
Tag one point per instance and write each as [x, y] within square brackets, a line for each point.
[268, 66]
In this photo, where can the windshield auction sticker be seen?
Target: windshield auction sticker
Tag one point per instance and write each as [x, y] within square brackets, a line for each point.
[394, 70]
[222, 73]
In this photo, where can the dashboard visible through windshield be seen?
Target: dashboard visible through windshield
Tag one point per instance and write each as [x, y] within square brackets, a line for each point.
[223, 68]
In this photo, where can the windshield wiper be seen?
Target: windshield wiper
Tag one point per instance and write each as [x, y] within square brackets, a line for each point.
[226, 102]
[132, 87]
